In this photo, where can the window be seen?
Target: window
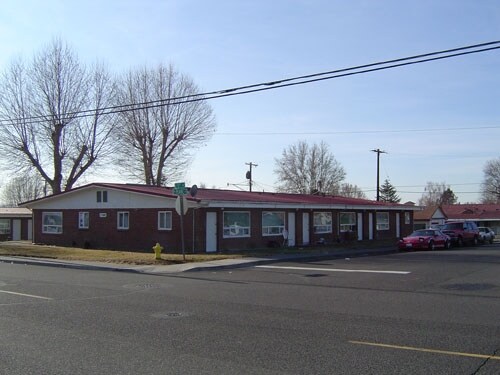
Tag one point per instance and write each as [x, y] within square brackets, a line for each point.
[322, 222]
[123, 220]
[52, 222]
[102, 196]
[165, 220]
[236, 224]
[4, 226]
[83, 220]
[382, 220]
[347, 221]
[407, 218]
[273, 223]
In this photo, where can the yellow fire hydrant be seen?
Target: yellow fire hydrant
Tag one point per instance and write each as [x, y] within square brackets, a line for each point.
[157, 249]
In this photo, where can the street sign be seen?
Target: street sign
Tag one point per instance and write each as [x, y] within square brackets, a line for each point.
[180, 188]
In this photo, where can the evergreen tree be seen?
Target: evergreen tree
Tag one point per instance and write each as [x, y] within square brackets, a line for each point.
[388, 193]
[448, 197]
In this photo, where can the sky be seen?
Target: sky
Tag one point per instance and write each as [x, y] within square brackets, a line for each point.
[437, 121]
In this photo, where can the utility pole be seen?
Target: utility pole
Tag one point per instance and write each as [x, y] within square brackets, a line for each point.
[249, 174]
[378, 151]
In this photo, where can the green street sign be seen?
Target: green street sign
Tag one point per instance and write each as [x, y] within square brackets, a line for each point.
[180, 188]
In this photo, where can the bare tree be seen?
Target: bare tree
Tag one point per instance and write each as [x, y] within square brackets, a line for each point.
[434, 194]
[308, 169]
[22, 189]
[491, 182]
[157, 140]
[351, 191]
[42, 123]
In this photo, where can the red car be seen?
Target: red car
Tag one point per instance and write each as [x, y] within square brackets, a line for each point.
[425, 239]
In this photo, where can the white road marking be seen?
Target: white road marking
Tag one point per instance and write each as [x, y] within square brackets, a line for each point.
[335, 270]
[24, 295]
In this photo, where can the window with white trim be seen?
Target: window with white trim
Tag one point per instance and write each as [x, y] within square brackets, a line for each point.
[382, 220]
[236, 224]
[347, 221]
[4, 226]
[102, 196]
[273, 223]
[83, 220]
[52, 222]
[165, 220]
[322, 222]
[123, 220]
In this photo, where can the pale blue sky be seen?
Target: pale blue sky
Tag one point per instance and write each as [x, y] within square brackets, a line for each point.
[223, 44]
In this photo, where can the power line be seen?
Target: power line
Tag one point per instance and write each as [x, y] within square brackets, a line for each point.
[374, 131]
[287, 82]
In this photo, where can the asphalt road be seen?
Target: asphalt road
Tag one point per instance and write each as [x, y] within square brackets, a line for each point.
[407, 313]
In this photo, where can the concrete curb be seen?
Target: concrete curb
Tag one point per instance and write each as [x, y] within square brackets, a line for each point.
[196, 267]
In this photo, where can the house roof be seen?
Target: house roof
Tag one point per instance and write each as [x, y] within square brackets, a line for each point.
[14, 212]
[428, 213]
[218, 197]
[472, 211]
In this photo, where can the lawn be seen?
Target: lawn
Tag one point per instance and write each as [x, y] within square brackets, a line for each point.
[27, 249]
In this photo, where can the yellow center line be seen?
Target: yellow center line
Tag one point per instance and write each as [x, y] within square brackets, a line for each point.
[483, 356]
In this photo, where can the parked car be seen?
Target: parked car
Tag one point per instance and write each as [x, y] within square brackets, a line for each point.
[425, 239]
[438, 226]
[486, 234]
[462, 232]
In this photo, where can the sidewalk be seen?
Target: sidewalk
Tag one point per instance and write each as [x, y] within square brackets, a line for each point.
[201, 266]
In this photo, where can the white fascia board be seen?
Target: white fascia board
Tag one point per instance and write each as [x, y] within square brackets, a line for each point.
[291, 206]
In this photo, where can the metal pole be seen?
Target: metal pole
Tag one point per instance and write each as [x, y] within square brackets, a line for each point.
[182, 229]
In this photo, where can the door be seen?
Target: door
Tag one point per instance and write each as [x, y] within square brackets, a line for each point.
[291, 229]
[398, 225]
[305, 228]
[360, 226]
[16, 230]
[30, 230]
[370, 226]
[211, 232]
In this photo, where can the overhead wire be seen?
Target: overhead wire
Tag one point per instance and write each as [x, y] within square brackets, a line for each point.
[270, 85]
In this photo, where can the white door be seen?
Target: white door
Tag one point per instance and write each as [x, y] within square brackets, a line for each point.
[398, 226]
[370, 226]
[30, 230]
[16, 230]
[360, 226]
[291, 229]
[211, 232]
[305, 228]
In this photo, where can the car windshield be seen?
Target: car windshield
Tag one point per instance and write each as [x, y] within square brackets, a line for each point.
[423, 232]
[452, 226]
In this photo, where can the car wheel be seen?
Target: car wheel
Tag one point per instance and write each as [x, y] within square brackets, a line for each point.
[476, 241]
[447, 245]
[431, 245]
[460, 242]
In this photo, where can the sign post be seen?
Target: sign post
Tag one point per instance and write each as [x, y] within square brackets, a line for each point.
[180, 190]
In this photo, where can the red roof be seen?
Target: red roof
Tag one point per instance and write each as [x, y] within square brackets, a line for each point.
[426, 214]
[253, 197]
[472, 211]
[224, 196]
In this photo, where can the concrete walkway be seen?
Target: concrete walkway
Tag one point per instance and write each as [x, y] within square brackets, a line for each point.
[200, 266]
